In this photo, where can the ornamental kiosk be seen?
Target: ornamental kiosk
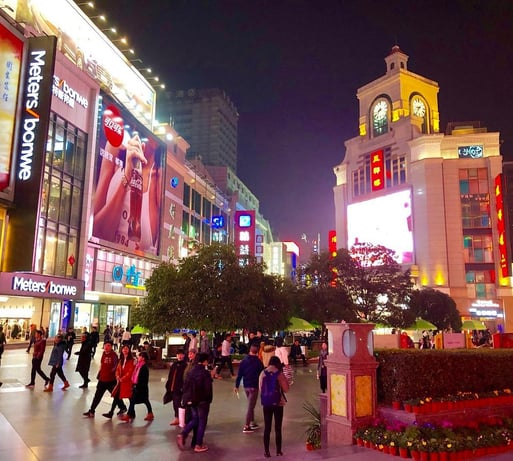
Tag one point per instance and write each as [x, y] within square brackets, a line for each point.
[351, 393]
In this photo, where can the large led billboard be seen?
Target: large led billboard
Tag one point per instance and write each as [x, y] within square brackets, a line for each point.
[11, 53]
[386, 221]
[89, 49]
[128, 182]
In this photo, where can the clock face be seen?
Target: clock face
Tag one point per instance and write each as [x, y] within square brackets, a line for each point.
[418, 107]
[380, 111]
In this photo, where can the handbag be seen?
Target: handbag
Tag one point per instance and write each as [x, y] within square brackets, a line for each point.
[168, 396]
[289, 374]
[115, 391]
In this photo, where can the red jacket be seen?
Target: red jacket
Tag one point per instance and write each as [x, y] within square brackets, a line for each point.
[108, 364]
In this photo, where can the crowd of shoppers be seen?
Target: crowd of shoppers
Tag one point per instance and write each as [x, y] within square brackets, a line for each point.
[189, 384]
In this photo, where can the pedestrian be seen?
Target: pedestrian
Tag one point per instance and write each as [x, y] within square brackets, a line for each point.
[107, 335]
[194, 341]
[106, 377]
[198, 395]
[123, 388]
[273, 386]
[249, 372]
[32, 336]
[226, 357]
[126, 337]
[70, 340]
[56, 361]
[187, 343]
[37, 359]
[95, 340]
[84, 359]
[322, 371]
[174, 383]
[204, 345]
[140, 390]
[3, 341]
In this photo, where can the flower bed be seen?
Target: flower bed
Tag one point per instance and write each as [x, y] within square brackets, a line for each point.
[459, 401]
[445, 442]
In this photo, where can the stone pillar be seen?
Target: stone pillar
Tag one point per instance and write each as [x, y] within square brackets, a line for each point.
[351, 393]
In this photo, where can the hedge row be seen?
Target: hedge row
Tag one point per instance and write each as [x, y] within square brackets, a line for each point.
[411, 373]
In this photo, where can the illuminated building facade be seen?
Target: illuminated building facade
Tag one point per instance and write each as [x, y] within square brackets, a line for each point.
[429, 196]
[82, 222]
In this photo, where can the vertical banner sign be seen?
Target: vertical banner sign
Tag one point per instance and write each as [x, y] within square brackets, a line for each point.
[332, 243]
[11, 52]
[501, 227]
[30, 155]
[245, 233]
[377, 171]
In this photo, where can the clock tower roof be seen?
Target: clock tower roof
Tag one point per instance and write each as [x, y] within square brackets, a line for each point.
[396, 60]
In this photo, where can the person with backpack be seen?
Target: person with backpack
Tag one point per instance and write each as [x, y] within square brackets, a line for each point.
[273, 386]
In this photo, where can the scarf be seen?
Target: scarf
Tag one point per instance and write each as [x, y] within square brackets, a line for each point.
[135, 374]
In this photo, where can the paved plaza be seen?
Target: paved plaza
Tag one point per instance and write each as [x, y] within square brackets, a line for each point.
[35, 425]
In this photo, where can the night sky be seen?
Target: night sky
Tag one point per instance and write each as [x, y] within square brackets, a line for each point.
[292, 68]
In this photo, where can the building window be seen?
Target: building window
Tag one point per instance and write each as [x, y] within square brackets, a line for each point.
[394, 174]
[478, 248]
[475, 198]
[481, 284]
[61, 199]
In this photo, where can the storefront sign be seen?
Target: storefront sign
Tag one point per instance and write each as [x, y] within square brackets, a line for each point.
[377, 170]
[62, 90]
[470, 151]
[33, 130]
[132, 277]
[245, 234]
[40, 286]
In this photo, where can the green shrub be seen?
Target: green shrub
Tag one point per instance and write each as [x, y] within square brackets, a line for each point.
[405, 374]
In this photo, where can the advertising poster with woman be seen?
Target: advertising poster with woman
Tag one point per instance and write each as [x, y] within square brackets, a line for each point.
[128, 183]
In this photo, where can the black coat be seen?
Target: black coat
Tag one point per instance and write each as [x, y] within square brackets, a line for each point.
[175, 378]
[140, 391]
[197, 387]
[84, 358]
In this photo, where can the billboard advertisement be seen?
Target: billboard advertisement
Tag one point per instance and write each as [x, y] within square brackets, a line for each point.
[33, 130]
[386, 221]
[90, 50]
[11, 54]
[128, 182]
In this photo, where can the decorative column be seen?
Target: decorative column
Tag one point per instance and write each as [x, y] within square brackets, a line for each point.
[352, 396]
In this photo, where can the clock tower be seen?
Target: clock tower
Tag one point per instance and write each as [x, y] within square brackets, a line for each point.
[399, 94]
[425, 194]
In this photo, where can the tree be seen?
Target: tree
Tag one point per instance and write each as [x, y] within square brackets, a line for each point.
[436, 307]
[214, 290]
[376, 284]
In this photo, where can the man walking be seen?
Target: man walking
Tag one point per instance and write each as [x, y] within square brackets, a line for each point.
[37, 359]
[249, 372]
[226, 357]
[174, 383]
[106, 376]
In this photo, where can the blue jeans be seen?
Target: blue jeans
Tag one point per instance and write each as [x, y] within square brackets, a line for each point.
[198, 422]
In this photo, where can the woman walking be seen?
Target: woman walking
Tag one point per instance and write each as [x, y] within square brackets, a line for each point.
[123, 389]
[140, 391]
[273, 386]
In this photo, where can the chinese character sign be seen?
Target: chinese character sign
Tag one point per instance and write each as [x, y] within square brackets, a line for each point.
[245, 233]
[501, 227]
[377, 170]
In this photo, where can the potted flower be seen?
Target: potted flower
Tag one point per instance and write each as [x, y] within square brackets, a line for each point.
[313, 431]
